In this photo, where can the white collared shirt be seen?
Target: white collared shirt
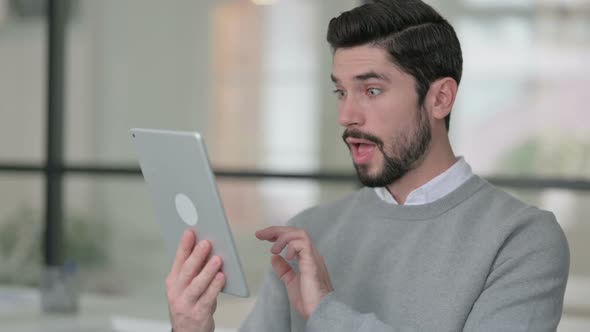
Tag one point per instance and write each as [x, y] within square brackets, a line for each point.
[436, 188]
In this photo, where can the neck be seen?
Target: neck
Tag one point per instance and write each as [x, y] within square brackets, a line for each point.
[437, 160]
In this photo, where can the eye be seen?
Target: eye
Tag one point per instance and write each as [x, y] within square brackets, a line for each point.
[339, 93]
[374, 91]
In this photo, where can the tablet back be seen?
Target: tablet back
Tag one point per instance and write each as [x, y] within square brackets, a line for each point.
[183, 192]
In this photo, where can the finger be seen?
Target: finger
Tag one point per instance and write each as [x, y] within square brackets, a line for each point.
[303, 251]
[324, 272]
[272, 233]
[284, 239]
[282, 269]
[193, 265]
[185, 247]
[208, 300]
[316, 254]
[291, 253]
[201, 282]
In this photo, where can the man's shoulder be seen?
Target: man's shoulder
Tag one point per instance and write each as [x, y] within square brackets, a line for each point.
[505, 206]
[529, 236]
[509, 216]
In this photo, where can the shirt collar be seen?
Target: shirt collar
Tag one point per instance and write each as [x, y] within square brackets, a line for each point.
[438, 187]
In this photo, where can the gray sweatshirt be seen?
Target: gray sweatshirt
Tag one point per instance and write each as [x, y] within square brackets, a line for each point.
[475, 260]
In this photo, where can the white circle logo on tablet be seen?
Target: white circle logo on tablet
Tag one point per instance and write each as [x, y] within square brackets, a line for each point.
[186, 210]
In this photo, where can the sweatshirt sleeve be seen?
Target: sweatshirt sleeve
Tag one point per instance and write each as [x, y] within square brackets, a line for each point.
[523, 292]
[525, 288]
[332, 316]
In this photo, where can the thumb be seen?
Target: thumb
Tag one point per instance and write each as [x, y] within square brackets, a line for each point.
[282, 269]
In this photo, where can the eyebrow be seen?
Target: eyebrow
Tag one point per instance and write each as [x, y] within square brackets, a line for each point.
[334, 78]
[364, 77]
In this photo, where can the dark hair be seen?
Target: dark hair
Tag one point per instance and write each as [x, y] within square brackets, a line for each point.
[418, 39]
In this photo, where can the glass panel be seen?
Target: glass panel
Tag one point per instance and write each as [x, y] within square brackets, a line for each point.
[520, 111]
[21, 227]
[253, 79]
[499, 3]
[119, 247]
[116, 242]
[22, 83]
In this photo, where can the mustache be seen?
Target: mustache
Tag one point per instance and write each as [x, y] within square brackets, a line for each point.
[355, 133]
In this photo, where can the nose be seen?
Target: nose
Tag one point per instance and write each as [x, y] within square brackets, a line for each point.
[349, 113]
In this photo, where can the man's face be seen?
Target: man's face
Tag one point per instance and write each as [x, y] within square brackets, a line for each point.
[385, 129]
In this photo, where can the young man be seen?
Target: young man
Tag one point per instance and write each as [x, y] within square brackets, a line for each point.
[426, 245]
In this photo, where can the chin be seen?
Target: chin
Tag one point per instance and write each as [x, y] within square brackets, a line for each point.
[369, 178]
[378, 176]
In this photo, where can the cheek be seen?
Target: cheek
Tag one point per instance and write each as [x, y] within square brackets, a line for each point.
[388, 117]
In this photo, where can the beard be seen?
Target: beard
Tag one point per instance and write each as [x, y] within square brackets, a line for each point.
[410, 146]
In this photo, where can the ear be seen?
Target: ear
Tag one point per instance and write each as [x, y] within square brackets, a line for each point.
[441, 97]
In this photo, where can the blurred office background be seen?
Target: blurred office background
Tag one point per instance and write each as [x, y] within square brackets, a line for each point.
[253, 77]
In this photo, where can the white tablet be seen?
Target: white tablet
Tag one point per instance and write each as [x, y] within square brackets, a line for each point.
[184, 195]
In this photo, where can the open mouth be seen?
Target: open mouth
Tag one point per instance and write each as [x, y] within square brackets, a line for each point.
[362, 150]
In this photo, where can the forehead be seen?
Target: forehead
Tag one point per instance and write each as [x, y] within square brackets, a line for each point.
[350, 62]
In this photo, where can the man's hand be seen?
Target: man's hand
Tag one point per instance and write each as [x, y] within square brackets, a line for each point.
[307, 288]
[193, 285]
